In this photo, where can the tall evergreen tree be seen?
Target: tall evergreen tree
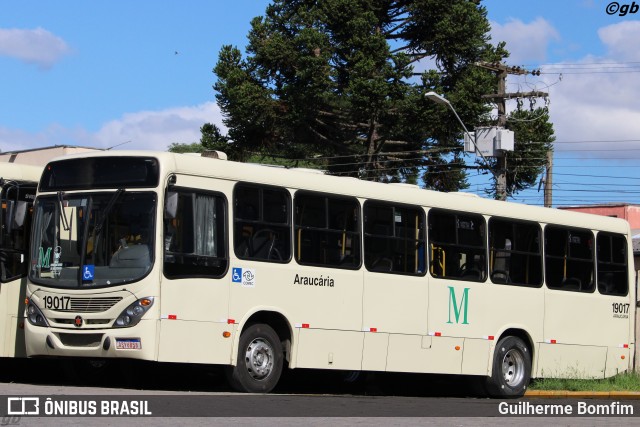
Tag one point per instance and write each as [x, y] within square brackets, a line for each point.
[211, 138]
[534, 136]
[337, 80]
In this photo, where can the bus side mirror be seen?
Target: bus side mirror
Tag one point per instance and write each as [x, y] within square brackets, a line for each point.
[171, 205]
[19, 214]
[8, 216]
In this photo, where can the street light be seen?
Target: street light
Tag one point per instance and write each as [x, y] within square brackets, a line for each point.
[439, 99]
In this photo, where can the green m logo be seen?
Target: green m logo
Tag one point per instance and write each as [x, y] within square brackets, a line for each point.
[464, 305]
[44, 259]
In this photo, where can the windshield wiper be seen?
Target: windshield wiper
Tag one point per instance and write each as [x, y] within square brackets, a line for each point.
[98, 228]
[63, 214]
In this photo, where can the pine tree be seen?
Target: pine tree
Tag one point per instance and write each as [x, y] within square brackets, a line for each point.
[533, 134]
[338, 81]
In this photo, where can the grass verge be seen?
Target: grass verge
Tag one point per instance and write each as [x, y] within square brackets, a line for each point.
[623, 382]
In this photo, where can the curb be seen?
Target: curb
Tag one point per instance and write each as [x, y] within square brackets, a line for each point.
[559, 394]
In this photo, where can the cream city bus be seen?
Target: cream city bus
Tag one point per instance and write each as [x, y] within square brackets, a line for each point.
[178, 258]
[18, 184]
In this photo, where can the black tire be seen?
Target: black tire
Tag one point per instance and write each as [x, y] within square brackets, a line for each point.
[259, 362]
[511, 371]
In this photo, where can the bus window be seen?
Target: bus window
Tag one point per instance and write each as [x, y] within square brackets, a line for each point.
[16, 202]
[194, 239]
[327, 230]
[457, 245]
[261, 223]
[393, 238]
[515, 253]
[569, 262]
[612, 264]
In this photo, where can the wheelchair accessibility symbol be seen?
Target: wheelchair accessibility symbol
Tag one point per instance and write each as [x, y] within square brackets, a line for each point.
[245, 276]
[88, 272]
[236, 275]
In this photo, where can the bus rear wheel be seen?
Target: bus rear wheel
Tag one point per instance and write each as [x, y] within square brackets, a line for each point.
[259, 363]
[511, 368]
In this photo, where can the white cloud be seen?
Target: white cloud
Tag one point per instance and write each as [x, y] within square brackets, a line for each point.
[597, 107]
[38, 46]
[588, 105]
[525, 42]
[145, 130]
[620, 40]
[590, 99]
[599, 102]
[156, 130]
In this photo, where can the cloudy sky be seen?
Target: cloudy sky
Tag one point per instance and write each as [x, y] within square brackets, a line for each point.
[104, 73]
[590, 64]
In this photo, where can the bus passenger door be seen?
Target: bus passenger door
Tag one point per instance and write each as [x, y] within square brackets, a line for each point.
[394, 319]
[194, 287]
[575, 335]
[395, 298]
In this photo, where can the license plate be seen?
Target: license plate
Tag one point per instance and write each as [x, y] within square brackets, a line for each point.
[128, 344]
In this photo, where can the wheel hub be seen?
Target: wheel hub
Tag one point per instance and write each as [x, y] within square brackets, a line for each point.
[513, 367]
[259, 358]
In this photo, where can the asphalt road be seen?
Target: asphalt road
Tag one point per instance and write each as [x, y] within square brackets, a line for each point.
[168, 394]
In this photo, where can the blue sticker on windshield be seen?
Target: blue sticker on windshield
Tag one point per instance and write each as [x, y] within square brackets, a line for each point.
[88, 272]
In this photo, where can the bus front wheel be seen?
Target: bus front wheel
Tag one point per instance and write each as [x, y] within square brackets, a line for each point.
[511, 368]
[259, 363]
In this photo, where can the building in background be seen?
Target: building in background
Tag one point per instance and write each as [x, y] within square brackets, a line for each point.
[617, 210]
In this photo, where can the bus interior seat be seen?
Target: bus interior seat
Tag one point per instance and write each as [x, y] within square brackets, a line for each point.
[262, 243]
[500, 276]
[472, 270]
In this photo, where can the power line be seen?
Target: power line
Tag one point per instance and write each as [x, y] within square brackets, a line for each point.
[596, 184]
[608, 141]
[581, 63]
[594, 72]
[594, 176]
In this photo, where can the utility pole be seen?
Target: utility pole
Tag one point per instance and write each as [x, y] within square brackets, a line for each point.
[500, 98]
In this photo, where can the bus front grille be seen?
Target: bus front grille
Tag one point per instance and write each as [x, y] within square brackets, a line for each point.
[90, 305]
[80, 340]
[85, 321]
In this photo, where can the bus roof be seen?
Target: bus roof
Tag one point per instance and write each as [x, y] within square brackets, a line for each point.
[20, 172]
[175, 163]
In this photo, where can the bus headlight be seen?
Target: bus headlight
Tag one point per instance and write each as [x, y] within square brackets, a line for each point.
[132, 314]
[35, 316]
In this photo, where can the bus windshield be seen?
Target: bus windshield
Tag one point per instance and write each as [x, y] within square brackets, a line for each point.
[92, 240]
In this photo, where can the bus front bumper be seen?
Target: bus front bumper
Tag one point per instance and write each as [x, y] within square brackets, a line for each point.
[137, 342]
